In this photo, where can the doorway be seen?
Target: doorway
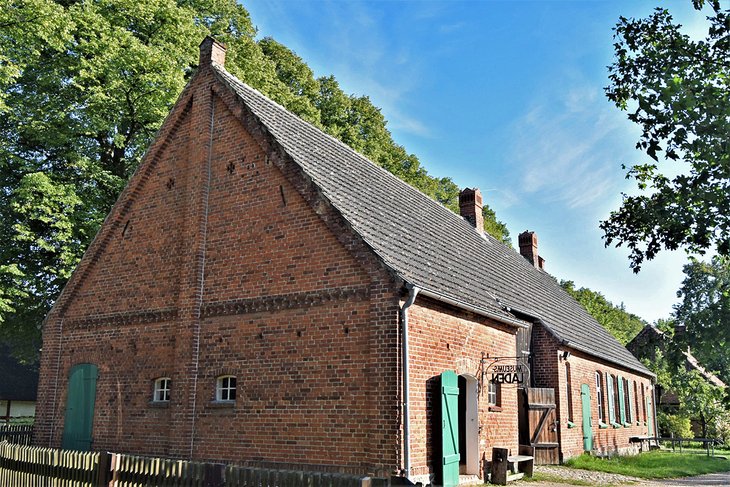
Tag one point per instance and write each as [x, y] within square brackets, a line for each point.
[468, 425]
[585, 399]
[80, 399]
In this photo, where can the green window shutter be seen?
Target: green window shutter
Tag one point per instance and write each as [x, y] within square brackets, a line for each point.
[450, 429]
[610, 399]
[621, 400]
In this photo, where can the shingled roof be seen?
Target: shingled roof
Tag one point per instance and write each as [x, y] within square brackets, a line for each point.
[425, 243]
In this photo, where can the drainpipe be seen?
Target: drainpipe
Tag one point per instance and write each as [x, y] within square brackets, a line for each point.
[412, 293]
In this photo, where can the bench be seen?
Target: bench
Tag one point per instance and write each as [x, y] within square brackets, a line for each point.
[506, 467]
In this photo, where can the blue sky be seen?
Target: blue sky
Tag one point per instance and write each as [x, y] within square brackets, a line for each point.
[506, 96]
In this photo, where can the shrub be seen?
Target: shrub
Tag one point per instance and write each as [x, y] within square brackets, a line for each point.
[677, 425]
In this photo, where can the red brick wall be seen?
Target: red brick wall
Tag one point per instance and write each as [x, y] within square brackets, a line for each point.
[550, 371]
[237, 267]
[444, 338]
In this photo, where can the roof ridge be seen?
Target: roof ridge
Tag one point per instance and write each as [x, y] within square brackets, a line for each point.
[337, 141]
[423, 241]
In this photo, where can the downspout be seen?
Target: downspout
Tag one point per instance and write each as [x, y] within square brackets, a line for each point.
[412, 293]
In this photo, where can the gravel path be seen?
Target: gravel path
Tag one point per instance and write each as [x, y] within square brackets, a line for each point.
[721, 479]
[599, 478]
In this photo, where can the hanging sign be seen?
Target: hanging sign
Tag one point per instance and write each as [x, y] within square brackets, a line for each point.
[509, 373]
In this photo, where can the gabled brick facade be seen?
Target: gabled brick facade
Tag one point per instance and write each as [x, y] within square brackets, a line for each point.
[233, 252]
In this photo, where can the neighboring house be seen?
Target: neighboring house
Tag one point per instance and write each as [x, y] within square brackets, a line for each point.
[645, 345]
[263, 294]
[18, 386]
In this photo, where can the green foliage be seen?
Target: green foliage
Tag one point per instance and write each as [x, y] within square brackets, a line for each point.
[620, 323]
[652, 465]
[698, 398]
[677, 425]
[704, 312]
[84, 86]
[677, 91]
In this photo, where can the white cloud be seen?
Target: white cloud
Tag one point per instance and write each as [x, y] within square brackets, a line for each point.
[564, 151]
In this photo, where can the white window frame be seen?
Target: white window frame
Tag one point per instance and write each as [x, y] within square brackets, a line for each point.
[492, 393]
[161, 391]
[599, 396]
[568, 391]
[225, 388]
[611, 394]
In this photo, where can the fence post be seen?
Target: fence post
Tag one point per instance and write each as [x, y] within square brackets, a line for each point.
[366, 482]
[214, 475]
[103, 469]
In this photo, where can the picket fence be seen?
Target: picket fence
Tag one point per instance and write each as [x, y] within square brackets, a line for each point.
[20, 434]
[27, 466]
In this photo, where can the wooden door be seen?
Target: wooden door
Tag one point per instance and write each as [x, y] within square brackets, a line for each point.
[649, 417]
[450, 454]
[585, 400]
[80, 407]
[542, 424]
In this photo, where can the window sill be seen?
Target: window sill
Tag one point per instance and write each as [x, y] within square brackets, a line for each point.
[495, 409]
[571, 424]
[627, 425]
[602, 426]
[222, 404]
[615, 425]
[159, 404]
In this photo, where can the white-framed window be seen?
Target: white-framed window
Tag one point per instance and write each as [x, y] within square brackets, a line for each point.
[599, 397]
[493, 393]
[568, 392]
[611, 397]
[627, 400]
[225, 388]
[161, 391]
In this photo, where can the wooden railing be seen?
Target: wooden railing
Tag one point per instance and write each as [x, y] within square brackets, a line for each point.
[20, 434]
[49, 467]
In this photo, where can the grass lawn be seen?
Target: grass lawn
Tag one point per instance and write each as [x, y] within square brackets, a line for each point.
[653, 465]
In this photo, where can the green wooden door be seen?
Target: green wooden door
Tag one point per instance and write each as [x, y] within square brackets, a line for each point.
[80, 407]
[585, 400]
[649, 417]
[450, 428]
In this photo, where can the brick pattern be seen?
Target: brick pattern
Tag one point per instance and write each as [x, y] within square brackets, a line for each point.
[220, 258]
[551, 372]
[443, 338]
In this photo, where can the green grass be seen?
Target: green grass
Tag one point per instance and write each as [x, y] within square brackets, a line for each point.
[652, 465]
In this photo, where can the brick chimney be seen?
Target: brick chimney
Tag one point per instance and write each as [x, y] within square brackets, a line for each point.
[212, 52]
[528, 249]
[470, 207]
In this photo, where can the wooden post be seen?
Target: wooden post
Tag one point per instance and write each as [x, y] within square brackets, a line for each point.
[499, 466]
[103, 469]
[214, 475]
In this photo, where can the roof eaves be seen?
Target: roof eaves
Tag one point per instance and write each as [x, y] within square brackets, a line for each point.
[474, 309]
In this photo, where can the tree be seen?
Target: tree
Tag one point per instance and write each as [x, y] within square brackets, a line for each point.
[678, 91]
[84, 86]
[620, 323]
[698, 398]
[704, 313]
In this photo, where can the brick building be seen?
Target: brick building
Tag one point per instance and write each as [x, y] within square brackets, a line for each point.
[263, 294]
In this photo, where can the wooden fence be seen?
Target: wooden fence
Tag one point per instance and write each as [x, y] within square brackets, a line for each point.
[48, 467]
[20, 434]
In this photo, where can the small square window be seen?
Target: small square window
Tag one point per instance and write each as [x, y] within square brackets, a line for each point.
[162, 389]
[225, 388]
[493, 393]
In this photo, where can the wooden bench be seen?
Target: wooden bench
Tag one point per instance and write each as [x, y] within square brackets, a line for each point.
[506, 467]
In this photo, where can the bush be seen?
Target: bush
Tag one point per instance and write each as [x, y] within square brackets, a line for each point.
[677, 425]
